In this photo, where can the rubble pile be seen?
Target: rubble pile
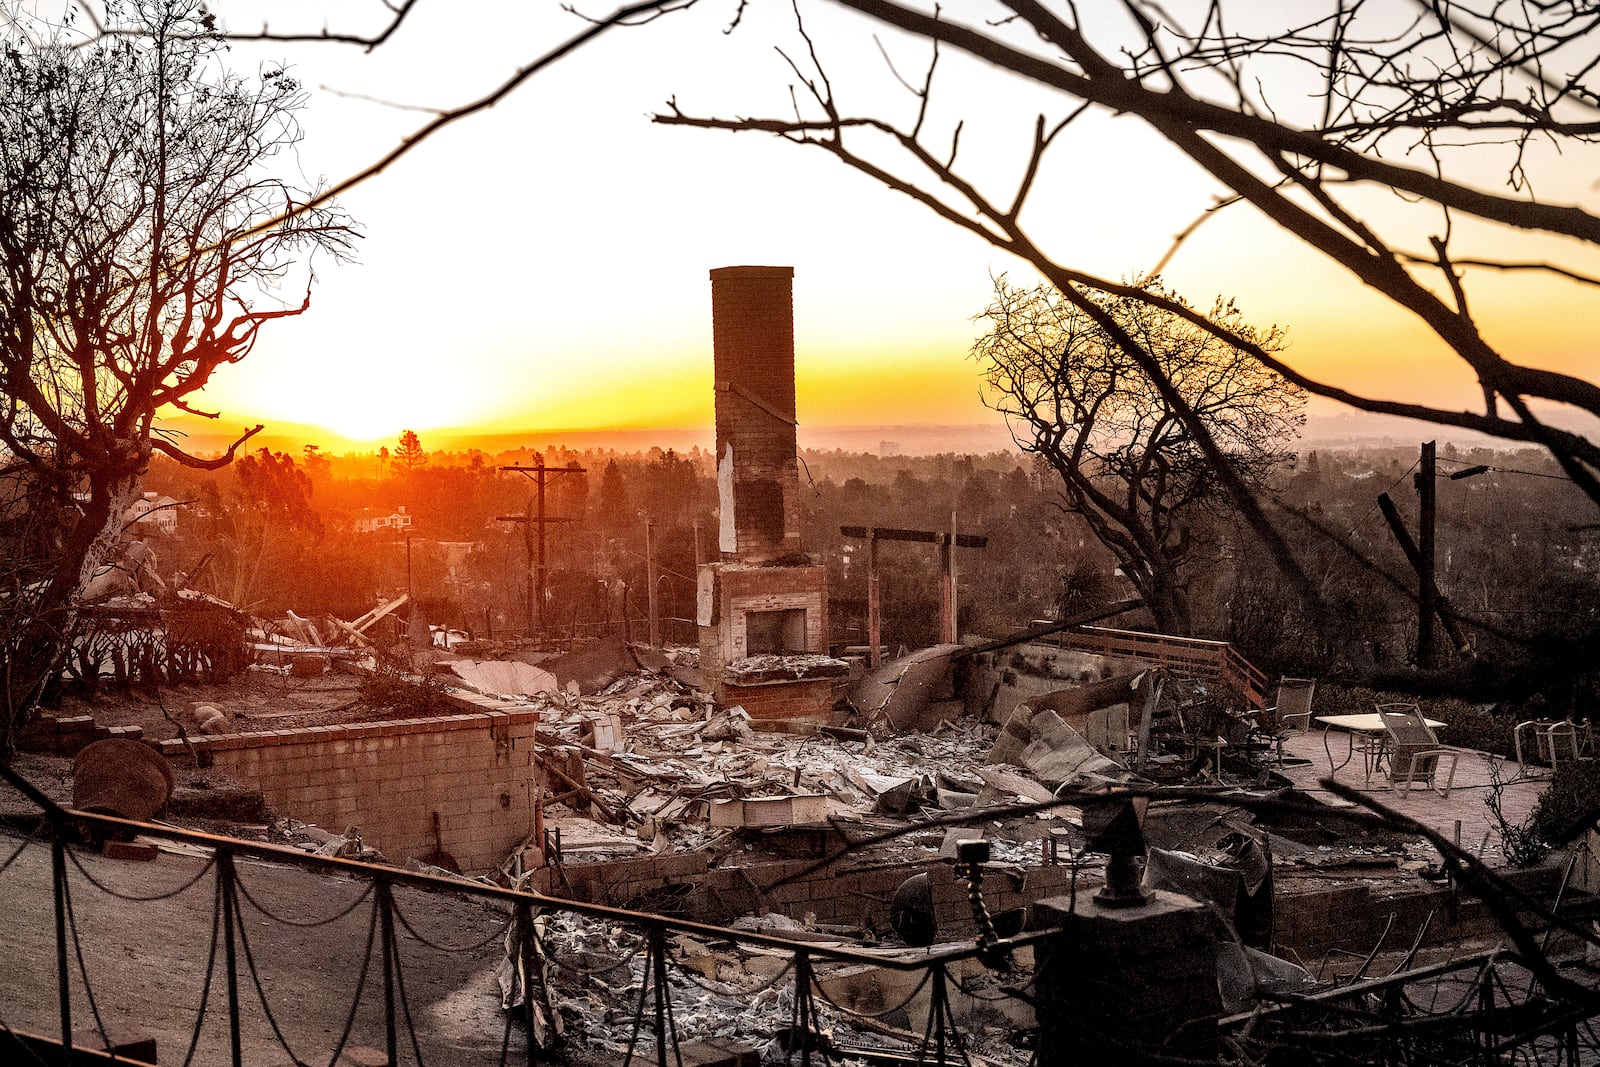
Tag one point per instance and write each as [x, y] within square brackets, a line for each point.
[731, 990]
[655, 756]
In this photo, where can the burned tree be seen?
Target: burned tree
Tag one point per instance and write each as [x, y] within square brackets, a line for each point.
[140, 250]
[1370, 133]
[1125, 457]
[1300, 116]
[1296, 114]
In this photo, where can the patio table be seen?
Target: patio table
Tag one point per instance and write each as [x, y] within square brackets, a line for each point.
[1369, 727]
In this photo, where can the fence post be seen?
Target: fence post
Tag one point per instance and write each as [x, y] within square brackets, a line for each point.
[58, 867]
[227, 901]
[385, 899]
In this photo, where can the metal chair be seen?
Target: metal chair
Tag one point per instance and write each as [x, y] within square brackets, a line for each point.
[1292, 712]
[1414, 752]
[1555, 739]
[1375, 747]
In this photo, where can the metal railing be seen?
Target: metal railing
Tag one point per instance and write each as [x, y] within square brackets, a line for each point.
[244, 986]
[1483, 1008]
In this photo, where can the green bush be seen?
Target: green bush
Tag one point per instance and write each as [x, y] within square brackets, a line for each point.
[1570, 804]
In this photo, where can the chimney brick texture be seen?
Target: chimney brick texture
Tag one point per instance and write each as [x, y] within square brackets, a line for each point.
[752, 316]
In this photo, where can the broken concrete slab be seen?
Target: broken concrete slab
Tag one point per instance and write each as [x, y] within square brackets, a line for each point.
[1053, 751]
[897, 795]
[505, 678]
[1011, 788]
[952, 800]
[901, 692]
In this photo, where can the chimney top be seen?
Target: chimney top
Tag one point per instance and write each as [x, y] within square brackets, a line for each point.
[718, 273]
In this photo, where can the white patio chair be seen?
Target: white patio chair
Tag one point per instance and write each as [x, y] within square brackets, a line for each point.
[1292, 712]
[1414, 752]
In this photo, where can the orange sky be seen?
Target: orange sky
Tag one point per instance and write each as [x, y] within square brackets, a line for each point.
[545, 265]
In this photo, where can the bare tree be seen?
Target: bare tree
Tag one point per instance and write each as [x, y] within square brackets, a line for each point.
[1413, 105]
[1414, 101]
[1126, 460]
[133, 264]
[1296, 114]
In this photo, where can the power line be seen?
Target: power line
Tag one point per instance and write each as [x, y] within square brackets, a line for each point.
[1368, 513]
[1487, 468]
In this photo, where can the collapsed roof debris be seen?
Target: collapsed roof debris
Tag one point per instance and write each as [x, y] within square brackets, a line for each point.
[912, 692]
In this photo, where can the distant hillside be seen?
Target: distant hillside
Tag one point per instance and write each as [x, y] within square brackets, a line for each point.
[1352, 429]
[1357, 429]
[209, 437]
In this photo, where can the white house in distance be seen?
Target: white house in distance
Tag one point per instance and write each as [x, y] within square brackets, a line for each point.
[152, 512]
[395, 520]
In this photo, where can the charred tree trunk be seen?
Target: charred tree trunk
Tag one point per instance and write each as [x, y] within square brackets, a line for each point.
[49, 565]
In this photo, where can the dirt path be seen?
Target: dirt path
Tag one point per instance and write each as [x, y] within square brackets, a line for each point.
[147, 960]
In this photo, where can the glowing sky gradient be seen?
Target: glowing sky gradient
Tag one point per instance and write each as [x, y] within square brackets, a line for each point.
[544, 266]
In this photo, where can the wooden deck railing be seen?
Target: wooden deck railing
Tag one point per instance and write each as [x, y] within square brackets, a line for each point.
[1216, 661]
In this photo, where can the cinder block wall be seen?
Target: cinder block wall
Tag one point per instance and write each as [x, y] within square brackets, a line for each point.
[1354, 917]
[752, 328]
[390, 778]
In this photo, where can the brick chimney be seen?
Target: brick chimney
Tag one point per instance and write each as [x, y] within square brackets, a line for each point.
[752, 325]
[763, 607]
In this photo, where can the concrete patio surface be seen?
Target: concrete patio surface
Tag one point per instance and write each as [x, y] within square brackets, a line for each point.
[1461, 815]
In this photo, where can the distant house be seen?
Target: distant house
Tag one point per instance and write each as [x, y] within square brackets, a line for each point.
[395, 520]
[151, 512]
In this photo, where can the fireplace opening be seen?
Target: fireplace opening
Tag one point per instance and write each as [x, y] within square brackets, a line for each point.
[775, 632]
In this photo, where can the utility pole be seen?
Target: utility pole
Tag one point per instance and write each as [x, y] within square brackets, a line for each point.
[650, 577]
[1422, 556]
[1426, 589]
[947, 588]
[874, 605]
[540, 572]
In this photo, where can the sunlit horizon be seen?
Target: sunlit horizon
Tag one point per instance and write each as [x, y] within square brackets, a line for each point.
[545, 264]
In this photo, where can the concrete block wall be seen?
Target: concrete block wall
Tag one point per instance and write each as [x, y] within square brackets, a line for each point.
[1354, 917]
[390, 778]
[752, 325]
